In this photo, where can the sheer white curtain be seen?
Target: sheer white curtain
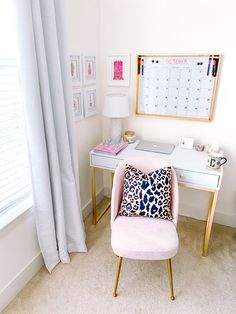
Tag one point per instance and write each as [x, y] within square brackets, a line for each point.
[47, 96]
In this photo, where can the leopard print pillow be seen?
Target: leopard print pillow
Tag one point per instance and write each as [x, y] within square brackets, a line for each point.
[147, 195]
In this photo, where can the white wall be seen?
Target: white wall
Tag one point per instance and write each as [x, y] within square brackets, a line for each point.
[83, 31]
[20, 256]
[162, 26]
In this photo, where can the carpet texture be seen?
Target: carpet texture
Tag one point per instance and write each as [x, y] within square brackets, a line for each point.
[202, 285]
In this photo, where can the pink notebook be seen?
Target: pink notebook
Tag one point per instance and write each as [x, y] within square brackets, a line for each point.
[110, 149]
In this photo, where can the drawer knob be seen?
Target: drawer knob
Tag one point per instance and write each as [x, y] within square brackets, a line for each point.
[181, 176]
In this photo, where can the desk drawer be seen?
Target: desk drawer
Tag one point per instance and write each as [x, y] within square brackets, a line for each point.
[104, 162]
[197, 178]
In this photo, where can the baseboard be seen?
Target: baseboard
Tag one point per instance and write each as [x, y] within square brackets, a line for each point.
[225, 219]
[9, 292]
[107, 191]
[87, 208]
[201, 214]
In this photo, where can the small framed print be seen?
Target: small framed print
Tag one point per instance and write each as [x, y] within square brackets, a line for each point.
[75, 68]
[89, 69]
[78, 104]
[90, 101]
[118, 67]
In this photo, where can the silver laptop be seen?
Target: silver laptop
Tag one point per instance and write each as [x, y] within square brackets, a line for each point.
[161, 148]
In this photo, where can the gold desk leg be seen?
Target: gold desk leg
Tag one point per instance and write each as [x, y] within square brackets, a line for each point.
[94, 201]
[169, 267]
[103, 212]
[117, 275]
[112, 178]
[210, 216]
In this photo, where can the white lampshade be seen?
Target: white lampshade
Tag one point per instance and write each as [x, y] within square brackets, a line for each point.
[116, 106]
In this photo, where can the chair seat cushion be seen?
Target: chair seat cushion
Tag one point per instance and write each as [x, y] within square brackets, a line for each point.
[144, 238]
[147, 195]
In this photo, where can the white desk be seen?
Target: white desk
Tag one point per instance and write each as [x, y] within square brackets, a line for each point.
[190, 167]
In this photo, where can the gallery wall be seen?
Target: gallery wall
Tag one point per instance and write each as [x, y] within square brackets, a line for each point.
[83, 32]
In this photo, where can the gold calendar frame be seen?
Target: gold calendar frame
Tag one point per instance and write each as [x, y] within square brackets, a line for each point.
[213, 93]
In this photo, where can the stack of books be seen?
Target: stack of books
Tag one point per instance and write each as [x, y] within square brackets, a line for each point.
[110, 148]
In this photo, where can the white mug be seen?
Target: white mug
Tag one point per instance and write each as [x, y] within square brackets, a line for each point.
[215, 160]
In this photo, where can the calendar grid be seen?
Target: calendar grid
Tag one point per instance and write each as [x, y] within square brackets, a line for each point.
[177, 86]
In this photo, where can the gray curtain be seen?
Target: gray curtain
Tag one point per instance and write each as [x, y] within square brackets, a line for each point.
[46, 82]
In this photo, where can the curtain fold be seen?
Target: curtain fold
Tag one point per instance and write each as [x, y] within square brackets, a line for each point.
[46, 82]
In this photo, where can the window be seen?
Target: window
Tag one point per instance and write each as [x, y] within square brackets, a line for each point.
[15, 181]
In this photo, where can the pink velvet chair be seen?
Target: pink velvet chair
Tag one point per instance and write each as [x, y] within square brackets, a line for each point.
[143, 238]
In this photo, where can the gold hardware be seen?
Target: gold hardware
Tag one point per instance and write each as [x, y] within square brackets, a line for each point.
[94, 194]
[169, 267]
[94, 202]
[117, 275]
[170, 278]
[210, 216]
[112, 178]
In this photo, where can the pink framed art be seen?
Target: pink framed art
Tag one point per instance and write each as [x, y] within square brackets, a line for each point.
[118, 67]
[89, 69]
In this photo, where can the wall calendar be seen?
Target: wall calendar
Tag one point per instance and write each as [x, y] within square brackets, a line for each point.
[177, 86]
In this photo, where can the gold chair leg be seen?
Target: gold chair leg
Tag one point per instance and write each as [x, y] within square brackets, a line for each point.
[170, 278]
[117, 275]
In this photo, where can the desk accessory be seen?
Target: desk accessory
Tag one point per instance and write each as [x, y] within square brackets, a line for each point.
[213, 148]
[186, 142]
[130, 136]
[177, 86]
[116, 107]
[215, 160]
[109, 147]
[155, 147]
[199, 147]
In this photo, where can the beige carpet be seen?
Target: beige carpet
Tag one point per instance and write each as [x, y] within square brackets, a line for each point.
[202, 285]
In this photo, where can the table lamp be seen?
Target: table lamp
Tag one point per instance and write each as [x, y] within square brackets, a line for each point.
[116, 107]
